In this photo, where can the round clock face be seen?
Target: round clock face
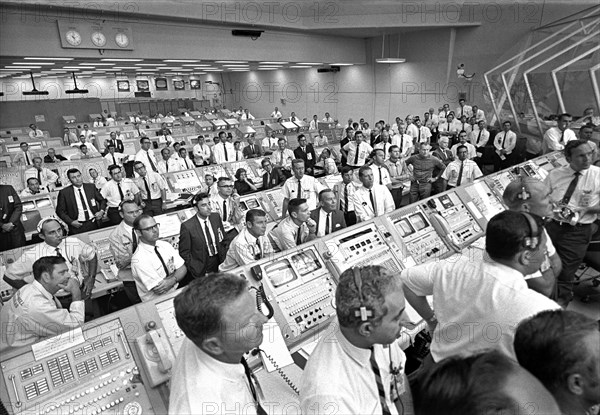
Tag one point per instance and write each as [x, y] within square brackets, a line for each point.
[98, 39]
[73, 37]
[122, 40]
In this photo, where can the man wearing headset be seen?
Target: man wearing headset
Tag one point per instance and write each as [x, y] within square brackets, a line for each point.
[479, 304]
[360, 367]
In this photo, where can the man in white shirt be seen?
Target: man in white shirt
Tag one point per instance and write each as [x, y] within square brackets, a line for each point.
[33, 313]
[117, 190]
[153, 189]
[167, 163]
[33, 188]
[165, 137]
[443, 113]
[423, 133]
[327, 118]
[68, 136]
[202, 153]
[46, 177]
[478, 304]
[146, 155]
[246, 116]
[293, 117]
[381, 175]
[296, 228]
[185, 163]
[282, 157]
[35, 132]
[269, 143]
[461, 171]
[450, 128]
[221, 322]
[320, 139]
[223, 151]
[399, 175]
[276, 113]
[462, 141]
[478, 114]
[586, 132]
[226, 204]
[371, 199]
[25, 156]
[250, 244]
[156, 266]
[116, 139]
[504, 143]
[314, 123]
[344, 191]
[87, 133]
[555, 138]
[97, 123]
[91, 148]
[300, 186]
[479, 137]
[403, 141]
[463, 110]
[115, 158]
[110, 121]
[96, 179]
[357, 151]
[411, 128]
[360, 369]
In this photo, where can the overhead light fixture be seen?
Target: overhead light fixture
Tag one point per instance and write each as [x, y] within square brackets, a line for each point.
[231, 61]
[309, 63]
[76, 90]
[342, 64]
[273, 63]
[120, 60]
[34, 91]
[48, 59]
[24, 67]
[97, 64]
[181, 60]
[151, 64]
[389, 60]
[32, 63]
[300, 67]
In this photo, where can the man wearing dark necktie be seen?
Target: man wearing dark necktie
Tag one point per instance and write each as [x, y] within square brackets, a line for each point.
[253, 149]
[112, 157]
[153, 189]
[361, 370]
[146, 155]
[576, 188]
[327, 217]
[504, 143]
[221, 322]
[156, 266]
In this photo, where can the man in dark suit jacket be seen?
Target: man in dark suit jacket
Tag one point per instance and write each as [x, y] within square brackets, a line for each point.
[306, 152]
[272, 177]
[117, 142]
[202, 251]
[86, 195]
[328, 210]
[253, 149]
[12, 233]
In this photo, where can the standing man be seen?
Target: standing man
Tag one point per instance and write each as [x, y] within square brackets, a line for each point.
[272, 177]
[403, 141]
[423, 165]
[504, 142]
[223, 151]
[24, 157]
[250, 244]
[123, 242]
[479, 138]
[296, 228]
[81, 206]
[399, 174]
[344, 191]
[423, 133]
[153, 189]
[156, 266]
[300, 186]
[225, 203]
[282, 158]
[202, 153]
[381, 175]
[117, 190]
[462, 141]
[276, 113]
[306, 152]
[114, 158]
[371, 199]
[461, 171]
[357, 151]
[328, 218]
[146, 155]
[576, 187]
[12, 233]
[46, 177]
[117, 142]
[201, 240]
[361, 370]
[555, 138]
[168, 163]
[463, 110]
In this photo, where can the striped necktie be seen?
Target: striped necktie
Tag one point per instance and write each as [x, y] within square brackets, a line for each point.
[380, 388]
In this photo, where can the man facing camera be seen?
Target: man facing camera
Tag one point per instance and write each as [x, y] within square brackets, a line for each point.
[327, 217]
[34, 313]
[295, 229]
[219, 318]
[361, 369]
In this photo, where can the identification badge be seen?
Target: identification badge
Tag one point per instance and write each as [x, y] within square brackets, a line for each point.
[93, 202]
[171, 265]
[220, 235]
[10, 199]
[309, 156]
[585, 200]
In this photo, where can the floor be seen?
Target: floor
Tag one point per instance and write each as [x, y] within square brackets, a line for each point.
[587, 296]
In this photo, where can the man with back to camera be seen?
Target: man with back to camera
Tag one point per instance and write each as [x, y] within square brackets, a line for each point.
[221, 322]
[296, 228]
[361, 369]
[576, 188]
[201, 240]
[153, 189]
[555, 138]
[562, 349]
[328, 218]
[461, 171]
[371, 199]
[123, 242]
[81, 206]
[423, 166]
[497, 300]
[300, 186]
[156, 266]
[533, 196]
[251, 244]
[33, 313]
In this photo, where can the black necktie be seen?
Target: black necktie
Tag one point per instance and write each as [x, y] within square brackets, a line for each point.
[225, 150]
[299, 188]
[167, 166]
[571, 189]
[224, 211]
[562, 137]
[327, 224]
[58, 253]
[211, 247]
[39, 174]
[27, 158]
[356, 155]
[147, 188]
[114, 160]
[259, 255]
[237, 155]
[151, 162]
[251, 379]
[380, 178]
[380, 388]
[299, 236]
[346, 198]
[478, 137]
[460, 173]
[85, 211]
[372, 198]
[134, 240]
[120, 191]
[162, 261]
[503, 139]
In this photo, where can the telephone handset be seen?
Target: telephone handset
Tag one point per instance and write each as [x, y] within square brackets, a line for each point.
[442, 227]
[261, 296]
[157, 354]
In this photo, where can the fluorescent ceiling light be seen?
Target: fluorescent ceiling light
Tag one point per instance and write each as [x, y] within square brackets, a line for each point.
[231, 61]
[151, 64]
[181, 60]
[11, 70]
[48, 59]
[267, 69]
[121, 60]
[60, 69]
[300, 67]
[390, 60]
[24, 67]
[79, 67]
[200, 66]
[273, 63]
[32, 63]
[237, 65]
[213, 70]
[125, 67]
[309, 63]
[342, 64]
[97, 64]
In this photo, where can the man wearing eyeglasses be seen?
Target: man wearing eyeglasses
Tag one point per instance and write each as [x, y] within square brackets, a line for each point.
[153, 189]
[156, 266]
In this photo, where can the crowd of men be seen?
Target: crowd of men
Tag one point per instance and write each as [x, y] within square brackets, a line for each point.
[494, 336]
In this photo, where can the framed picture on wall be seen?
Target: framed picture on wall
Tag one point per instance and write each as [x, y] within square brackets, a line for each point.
[178, 84]
[123, 86]
[161, 84]
[195, 84]
[143, 85]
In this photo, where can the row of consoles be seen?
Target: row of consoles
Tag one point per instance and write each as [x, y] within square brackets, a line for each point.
[121, 363]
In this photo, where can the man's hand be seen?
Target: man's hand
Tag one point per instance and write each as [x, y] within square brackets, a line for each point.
[88, 286]
[432, 179]
[99, 215]
[164, 286]
[72, 286]
[76, 224]
[312, 225]
[7, 227]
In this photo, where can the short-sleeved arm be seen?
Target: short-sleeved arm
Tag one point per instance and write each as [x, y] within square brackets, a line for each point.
[286, 190]
[52, 320]
[420, 278]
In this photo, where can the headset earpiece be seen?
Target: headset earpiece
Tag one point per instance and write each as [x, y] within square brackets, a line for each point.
[363, 312]
[533, 240]
[525, 193]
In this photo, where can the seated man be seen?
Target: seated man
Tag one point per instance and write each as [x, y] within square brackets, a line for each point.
[156, 266]
[460, 172]
[52, 157]
[486, 383]
[90, 147]
[488, 297]
[35, 132]
[361, 369]
[219, 318]
[462, 141]
[562, 349]
[33, 313]
[272, 177]
[250, 244]
[46, 177]
[371, 200]
[33, 188]
[25, 156]
[328, 218]
[253, 149]
[296, 228]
